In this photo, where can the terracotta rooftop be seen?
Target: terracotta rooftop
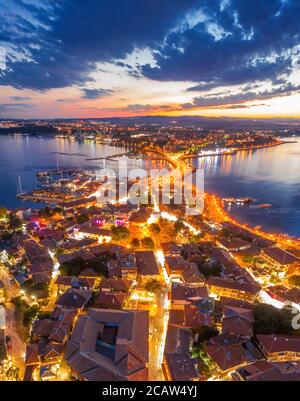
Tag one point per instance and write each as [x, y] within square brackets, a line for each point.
[74, 299]
[194, 318]
[267, 371]
[42, 328]
[279, 343]
[176, 263]
[71, 281]
[146, 263]
[32, 354]
[110, 299]
[62, 327]
[238, 326]
[280, 256]
[116, 284]
[140, 216]
[181, 367]
[240, 284]
[178, 339]
[170, 248]
[110, 345]
[227, 351]
[184, 292]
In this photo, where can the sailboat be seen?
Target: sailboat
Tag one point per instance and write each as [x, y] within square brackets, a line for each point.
[20, 191]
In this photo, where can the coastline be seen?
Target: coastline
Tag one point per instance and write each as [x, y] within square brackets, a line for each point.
[175, 163]
[234, 151]
[283, 239]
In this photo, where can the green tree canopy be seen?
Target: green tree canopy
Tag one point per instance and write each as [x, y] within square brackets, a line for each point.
[270, 320]
[154, 228]
[154, 286]
[135, 243]
[119, 233]
[3, 213]
[295, 281]
[148, 242]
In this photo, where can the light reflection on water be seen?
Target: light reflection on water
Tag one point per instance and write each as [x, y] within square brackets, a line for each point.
[267, 175]
[25, 156]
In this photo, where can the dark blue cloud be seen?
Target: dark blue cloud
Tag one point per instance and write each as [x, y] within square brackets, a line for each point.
[53, 44]
[240, 97]
[245, 42]
[63, 40]
[19, 98]
[95, 93]
[10, 106]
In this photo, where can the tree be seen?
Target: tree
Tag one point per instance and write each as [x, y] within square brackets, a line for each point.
[58, 210]
[205, 333]
[270, 320]
[135, 243]
[167, 227]
[249, 260]
[295, 281]
[74, 267]
[18, 302]
[148, 242]
[32, 287]
[59, 251]
[178, 226]
[14, 222]
[154, 228]
[210, 270]
[46, 212]
[225, 232]
[119, 233]
[195, 238]
[82, 218]
[3, 213]
[154, 286]
[30, 315]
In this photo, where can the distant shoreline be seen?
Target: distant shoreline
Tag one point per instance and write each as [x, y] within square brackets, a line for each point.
[236, 150]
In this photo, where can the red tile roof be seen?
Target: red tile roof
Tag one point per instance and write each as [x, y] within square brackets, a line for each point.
[280, 256]
[110, 299]
[74, 299]
[240, 284]
[89, 356]
[227, 352]
[146, 263]
[32, 354]
[279, 343]
[184, 292]
[181, 367]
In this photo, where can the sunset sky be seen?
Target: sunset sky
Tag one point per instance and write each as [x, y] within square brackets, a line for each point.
[103, 58]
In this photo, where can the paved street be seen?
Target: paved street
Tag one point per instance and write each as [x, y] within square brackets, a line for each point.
[18, 346]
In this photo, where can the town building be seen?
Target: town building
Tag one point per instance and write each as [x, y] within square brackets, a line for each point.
[278, 259]
[109, 345]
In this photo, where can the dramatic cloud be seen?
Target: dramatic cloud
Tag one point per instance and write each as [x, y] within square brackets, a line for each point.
[237, 98]
[245, 41]
[215, 53]
[56, 44]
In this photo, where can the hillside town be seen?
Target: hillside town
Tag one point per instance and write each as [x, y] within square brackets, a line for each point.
[124, 292]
